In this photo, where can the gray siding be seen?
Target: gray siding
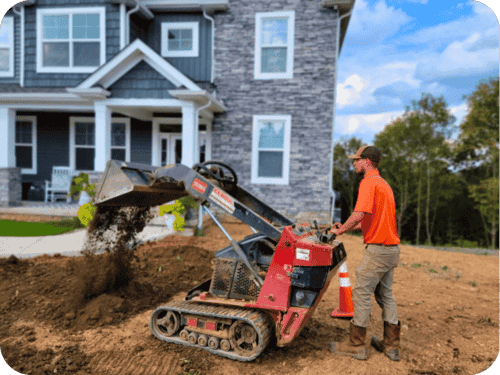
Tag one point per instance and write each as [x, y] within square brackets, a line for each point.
[17, 49]
[197, 68]
[141, 134]
[34, 79]
[142, 82]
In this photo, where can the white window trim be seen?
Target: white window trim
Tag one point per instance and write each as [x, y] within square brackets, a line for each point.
[69, 11]
[9, 23]
[290, 46]
[33, 144]
[120, 120]
[286, 150]
[165, 26]
[72, 145]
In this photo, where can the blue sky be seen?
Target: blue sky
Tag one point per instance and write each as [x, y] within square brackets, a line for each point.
[395, 50]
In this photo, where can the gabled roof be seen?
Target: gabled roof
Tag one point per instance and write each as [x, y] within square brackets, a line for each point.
[128, 58]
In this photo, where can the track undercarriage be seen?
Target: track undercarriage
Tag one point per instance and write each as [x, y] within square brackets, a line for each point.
[232, 332]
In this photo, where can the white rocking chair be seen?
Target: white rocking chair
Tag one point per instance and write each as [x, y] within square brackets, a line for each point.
[60, 185]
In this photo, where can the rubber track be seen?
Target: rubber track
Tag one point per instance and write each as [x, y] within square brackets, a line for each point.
[257, 319]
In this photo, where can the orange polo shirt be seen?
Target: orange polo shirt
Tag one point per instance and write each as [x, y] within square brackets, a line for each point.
[376, 198]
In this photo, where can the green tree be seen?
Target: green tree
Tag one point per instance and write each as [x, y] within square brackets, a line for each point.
[477, 153]
[431, 121]
[344, 177]
[479, 133]
[485, 195]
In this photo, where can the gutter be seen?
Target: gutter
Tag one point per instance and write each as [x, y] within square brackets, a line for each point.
[337, 53]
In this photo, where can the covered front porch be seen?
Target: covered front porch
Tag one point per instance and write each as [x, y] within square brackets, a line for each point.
[157, 132]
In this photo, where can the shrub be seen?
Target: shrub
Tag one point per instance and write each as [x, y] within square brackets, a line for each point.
[81, 183]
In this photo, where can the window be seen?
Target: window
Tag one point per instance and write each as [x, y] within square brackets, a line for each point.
[26, 144]
[70, 40]
[7, 47]
[271, 149]
[120, 139]
[274, 43]
[179, 39]
[82, 141]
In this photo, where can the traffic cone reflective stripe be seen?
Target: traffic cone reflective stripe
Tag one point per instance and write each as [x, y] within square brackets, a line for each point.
[345, 309]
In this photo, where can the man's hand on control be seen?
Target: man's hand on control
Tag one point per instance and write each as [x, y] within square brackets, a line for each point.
[335, 228]
[351, 223]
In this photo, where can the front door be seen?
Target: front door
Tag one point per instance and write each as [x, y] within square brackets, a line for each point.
[171, 148]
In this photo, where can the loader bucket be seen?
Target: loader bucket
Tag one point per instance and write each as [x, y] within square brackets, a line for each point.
[131, 184]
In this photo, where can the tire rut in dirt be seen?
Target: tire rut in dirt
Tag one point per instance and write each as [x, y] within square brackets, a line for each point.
[123, 364]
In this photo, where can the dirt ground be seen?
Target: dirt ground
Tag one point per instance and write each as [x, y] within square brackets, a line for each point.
[447, 303]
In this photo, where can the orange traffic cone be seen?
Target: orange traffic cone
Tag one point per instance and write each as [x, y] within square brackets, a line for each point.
[345, 309]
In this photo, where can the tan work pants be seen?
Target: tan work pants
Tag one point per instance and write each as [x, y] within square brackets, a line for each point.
[375, 274]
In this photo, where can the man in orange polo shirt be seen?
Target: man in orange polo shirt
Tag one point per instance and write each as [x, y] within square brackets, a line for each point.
[375, 215]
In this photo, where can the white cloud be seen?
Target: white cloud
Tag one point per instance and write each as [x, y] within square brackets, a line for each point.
[459, 111]
[348, 92]
[386, 20]
[353, 125]
[473, 56]
[363, 124]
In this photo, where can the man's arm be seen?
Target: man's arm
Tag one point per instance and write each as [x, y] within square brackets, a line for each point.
[354, 222]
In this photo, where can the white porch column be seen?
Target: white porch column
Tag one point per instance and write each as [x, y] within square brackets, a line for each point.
[102, 136]
[155, 160]
[190, 153]
[7, 137]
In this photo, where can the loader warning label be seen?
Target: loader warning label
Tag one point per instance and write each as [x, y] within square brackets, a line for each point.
[302, 254]
[199, 186]
[222, 199]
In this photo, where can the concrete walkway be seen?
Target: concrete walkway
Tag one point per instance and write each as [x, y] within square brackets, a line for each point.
[69, 244]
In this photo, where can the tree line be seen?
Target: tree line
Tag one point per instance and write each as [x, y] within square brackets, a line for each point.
[446, 187]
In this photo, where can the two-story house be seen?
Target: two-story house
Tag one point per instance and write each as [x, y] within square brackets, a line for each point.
[249, 83]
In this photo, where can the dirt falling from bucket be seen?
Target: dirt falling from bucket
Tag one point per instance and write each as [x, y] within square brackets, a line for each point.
[109, 250]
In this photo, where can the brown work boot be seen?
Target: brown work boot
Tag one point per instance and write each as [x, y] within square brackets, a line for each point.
[390, 344]
[354, 346]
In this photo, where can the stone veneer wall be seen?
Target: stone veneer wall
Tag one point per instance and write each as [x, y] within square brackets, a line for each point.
[307, 97]
[10, 187]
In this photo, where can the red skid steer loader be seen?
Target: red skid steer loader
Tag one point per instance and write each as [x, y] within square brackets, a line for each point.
[268, 284]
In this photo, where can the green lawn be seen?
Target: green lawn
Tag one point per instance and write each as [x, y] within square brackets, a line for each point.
[29, 229]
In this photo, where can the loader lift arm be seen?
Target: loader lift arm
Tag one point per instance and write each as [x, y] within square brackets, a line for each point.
[135, 184]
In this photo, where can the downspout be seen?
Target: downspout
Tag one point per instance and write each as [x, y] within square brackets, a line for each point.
[21, 21]
[337, 53]
[213, 44]
[123, 28]
[127, 19]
